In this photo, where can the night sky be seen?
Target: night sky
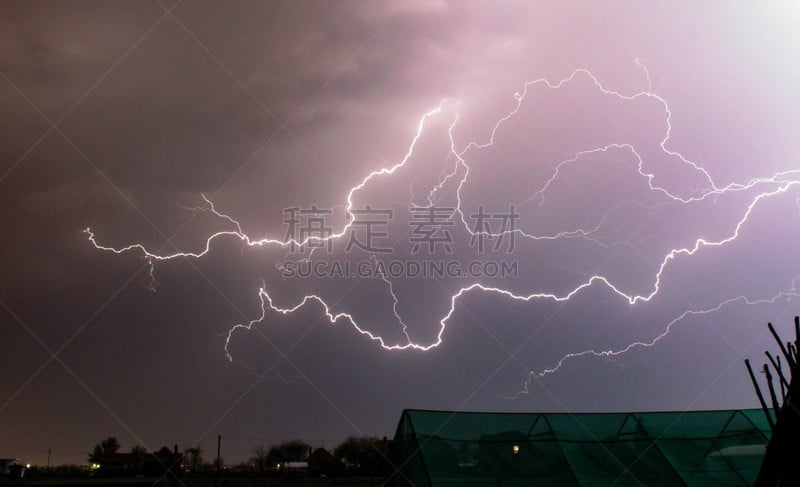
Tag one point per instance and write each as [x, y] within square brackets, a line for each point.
[649, 150]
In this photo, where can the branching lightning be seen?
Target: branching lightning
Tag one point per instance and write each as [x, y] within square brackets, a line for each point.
[457, 177]
[793, 292]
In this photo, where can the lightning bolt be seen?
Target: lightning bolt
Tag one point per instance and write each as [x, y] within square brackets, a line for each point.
[792, 292]
[238, 233]
[778, 183]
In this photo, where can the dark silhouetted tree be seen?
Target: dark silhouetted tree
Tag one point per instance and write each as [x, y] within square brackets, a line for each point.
[259, 460]
[138, 457]
[366, 455]
[103, 451]
[193, 458]
[288, 451]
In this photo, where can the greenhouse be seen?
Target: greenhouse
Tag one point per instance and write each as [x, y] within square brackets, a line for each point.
[433, 448]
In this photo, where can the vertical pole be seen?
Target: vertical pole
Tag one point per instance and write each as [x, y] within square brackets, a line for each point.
[760, 396]
[49, 451]
[775, 405]
[216, 474]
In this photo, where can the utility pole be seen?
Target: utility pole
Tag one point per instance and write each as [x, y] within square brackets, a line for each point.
[49, 452]
[216, 473]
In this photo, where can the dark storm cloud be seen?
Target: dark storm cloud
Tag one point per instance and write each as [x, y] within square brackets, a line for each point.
[160, 108]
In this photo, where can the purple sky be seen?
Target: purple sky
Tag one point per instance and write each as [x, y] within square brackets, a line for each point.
[120, 116]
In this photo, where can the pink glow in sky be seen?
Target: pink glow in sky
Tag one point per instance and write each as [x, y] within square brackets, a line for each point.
[650, 150]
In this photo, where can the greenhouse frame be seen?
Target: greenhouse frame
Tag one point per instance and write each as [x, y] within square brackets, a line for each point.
[441, 448]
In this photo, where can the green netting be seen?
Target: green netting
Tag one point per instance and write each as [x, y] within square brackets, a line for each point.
[704, 448]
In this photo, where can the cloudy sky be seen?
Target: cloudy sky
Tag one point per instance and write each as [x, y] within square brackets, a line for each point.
[648, 148]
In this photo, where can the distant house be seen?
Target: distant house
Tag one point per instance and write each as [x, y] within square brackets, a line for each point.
[149, 464]
[10, 467]
[5, 465]
[164, 459]
[117, 463]
[322, 463]
[294, 469]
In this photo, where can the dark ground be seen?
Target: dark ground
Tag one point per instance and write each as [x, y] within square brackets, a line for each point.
[194, 482]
